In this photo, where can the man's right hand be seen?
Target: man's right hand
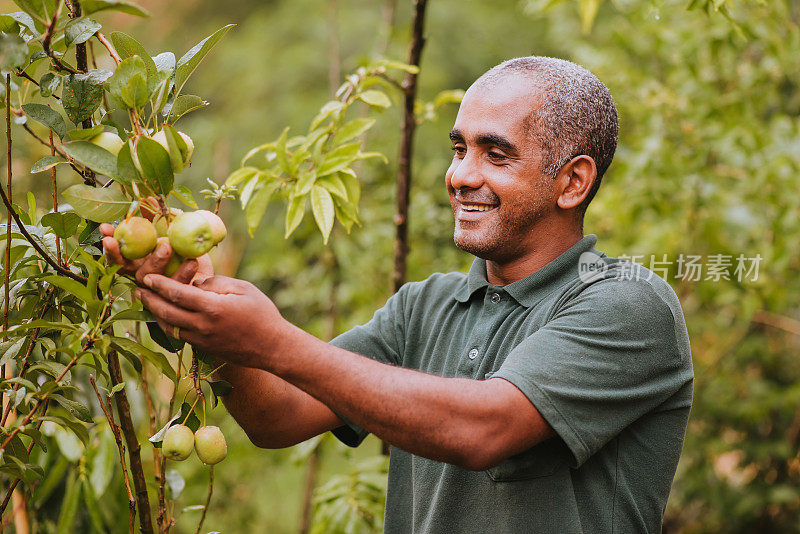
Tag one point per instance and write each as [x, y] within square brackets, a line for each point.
[154, 263]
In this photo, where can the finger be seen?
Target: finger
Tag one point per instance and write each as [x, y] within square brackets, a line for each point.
[156, 262]
[107, 230]
[167, 311]
[183, 295]
[185, 272]
[189, 336]
[220, 284]
[111, 247]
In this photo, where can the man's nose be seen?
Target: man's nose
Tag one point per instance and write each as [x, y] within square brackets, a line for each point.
[466, 174]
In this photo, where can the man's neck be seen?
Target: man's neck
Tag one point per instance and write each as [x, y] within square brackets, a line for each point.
[540, 253]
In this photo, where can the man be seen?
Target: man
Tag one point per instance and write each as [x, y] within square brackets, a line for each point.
[547, 390]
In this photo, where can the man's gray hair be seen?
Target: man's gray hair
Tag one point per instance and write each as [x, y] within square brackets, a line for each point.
[576, 114]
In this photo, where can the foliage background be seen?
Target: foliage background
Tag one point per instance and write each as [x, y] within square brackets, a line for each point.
[708, 163]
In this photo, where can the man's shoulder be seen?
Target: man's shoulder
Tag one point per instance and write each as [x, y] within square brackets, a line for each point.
[435, 284]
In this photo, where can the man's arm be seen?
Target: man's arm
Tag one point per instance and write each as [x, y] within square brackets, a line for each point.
[470, 423]
[273, 413]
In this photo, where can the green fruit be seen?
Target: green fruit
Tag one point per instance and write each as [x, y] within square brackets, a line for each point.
[218, 230]
[162, 224]
[174, 262]
[209, 442]
[136, 236]
[110, 141]
[177, 166]
[178, 443]
[190, 235]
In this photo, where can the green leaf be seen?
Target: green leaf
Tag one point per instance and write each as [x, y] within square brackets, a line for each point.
[69, 445]
[126, 168]
[153, 163]
[588, 11]
[13, 51]
[176, 148]
[334, 185]
[47, 116]
[156, 358]
[191, 59]
[71, 286]
[104, 462]
[375, 98]
[135, 93]
[83, 93]
[294, 214]
[91, 6]
[240, 175]
[330, 108]
[322, 208]
[42, 10]
[97, 204]
[185, 104]
[184, 194]
[92, 506]
[47, 162]
[49, 84]
[258, 205]
[353, 129]
[339, 159]
[166, 342]
[80, 30]
[70, 504]
[92, 156]
[64, 225]
[84, 134]
[128, 47]
[128, 80]
[10, 349]
[75, 408]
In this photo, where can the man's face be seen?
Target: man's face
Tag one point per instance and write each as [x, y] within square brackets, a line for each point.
[496, 187]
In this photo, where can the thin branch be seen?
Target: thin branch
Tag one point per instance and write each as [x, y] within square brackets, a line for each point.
[55, 195]
[48, 35]
[121, 448]
[128, 430]
[208, 498]
[58, 149]
[7, 273]
[35, 245]
[111, 50]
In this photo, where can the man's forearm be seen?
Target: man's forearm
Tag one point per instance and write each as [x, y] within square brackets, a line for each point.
[439, 418]
[266, 407]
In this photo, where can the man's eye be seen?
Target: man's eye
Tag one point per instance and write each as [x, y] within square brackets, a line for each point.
[496, 156]
[459, 150]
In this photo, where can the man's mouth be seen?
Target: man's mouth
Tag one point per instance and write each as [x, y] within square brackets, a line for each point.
[476, 206]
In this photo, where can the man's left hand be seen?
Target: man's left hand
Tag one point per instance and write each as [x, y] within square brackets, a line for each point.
[226, 317]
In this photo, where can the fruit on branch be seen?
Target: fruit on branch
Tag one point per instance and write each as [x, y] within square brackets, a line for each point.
[162, 224]
[190, 235]
[110, 141]
[182, 151]
[218, 230]
[178, 443]
[136, 236]
[209, 442]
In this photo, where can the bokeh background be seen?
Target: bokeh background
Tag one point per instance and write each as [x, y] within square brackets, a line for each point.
[708, 166]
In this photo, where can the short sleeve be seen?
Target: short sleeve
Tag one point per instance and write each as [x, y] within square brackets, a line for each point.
[607, 357]
[381, 339]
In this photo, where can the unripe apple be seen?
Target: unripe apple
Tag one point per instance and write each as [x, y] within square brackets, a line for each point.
[174, 262]
[110, 141]
[190, 235]
[161, 137]
[209, 442]
[136, 236]
[162, 224]
[178, 443]
[218, 230]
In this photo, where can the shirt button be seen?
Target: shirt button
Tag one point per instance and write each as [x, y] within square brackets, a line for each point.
[473, 354]
[495, 297]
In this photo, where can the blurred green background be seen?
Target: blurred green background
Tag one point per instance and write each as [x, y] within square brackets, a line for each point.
[708, 164]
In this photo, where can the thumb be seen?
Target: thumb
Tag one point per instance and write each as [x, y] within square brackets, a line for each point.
[217, 284]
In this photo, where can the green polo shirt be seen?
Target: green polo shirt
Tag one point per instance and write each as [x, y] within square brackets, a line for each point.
[598, 345]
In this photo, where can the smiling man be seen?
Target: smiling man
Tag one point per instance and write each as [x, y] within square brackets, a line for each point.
[547, 390]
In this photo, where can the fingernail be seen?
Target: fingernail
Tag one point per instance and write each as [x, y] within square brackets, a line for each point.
[138, 294]
[148, 280]
[162, 250]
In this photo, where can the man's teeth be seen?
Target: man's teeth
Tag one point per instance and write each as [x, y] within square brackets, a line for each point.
[476, 207]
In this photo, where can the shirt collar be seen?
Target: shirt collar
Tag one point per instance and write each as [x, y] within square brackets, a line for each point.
[529, 290]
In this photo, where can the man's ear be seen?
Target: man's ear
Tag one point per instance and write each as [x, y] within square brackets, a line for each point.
[574, 181]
